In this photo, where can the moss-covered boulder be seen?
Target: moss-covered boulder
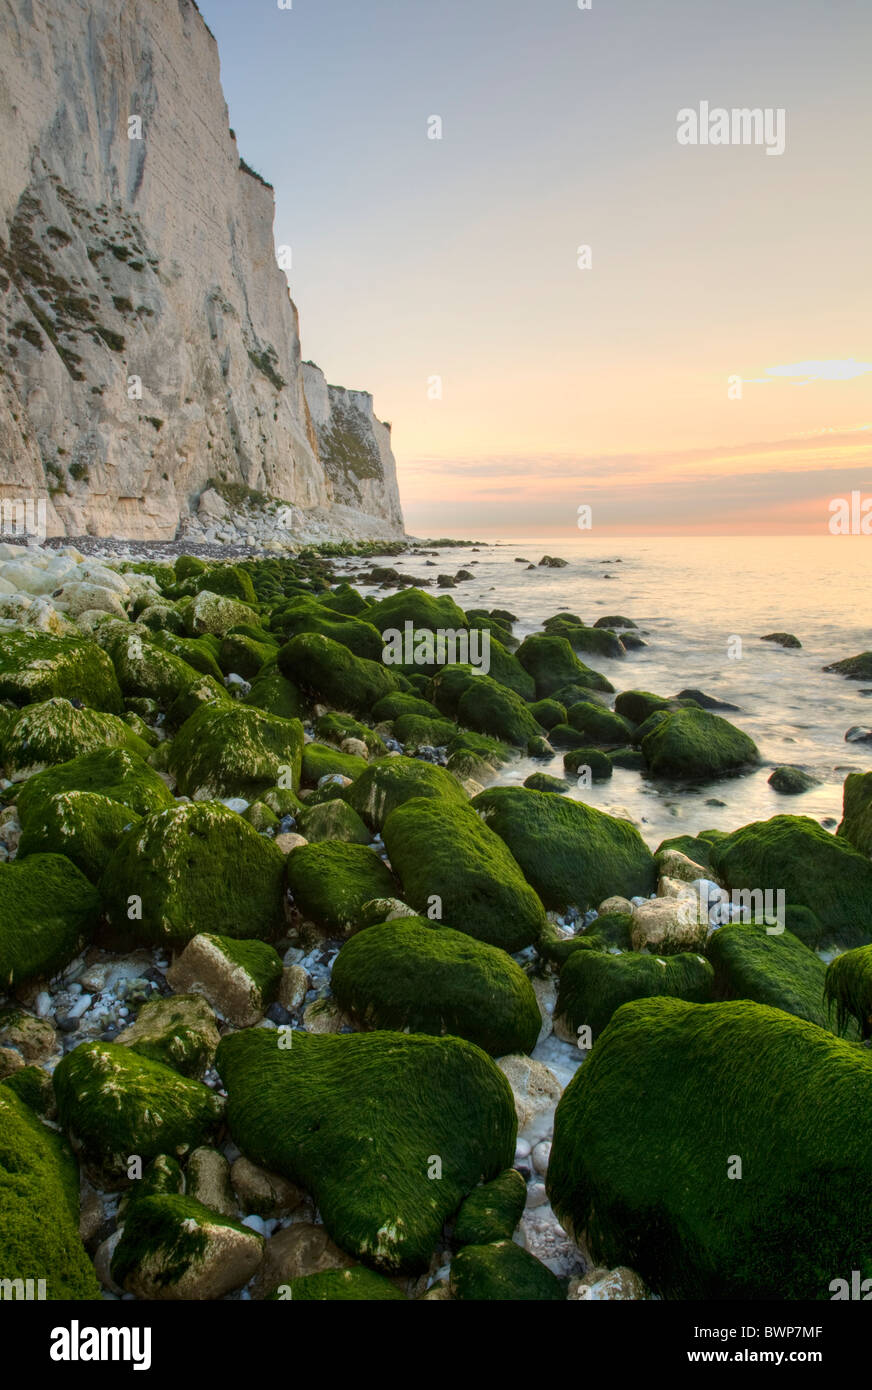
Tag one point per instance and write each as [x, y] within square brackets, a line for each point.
[308, 616]
[116, 1104]
[48, 910]
[854, 668]
[200, 653]
[572, 854]
[240, 979]
[588, 765]
[39, 1207]
[424, 611]
[417, 975]
[214, 614]
[274, 693]
[179, 1031]
[848, 990]
[446, 852]
[856, 823]
[115, 773]
[35, 666]
[356, 1284]
[638, 705]
[492, 1211]
[593, 984]
[815, 870]
[393, 706]
[173, 1247]
[84, 826]
[245, 656]
[389, 1132]
[331, 673]
[230, 580]
[542, 782]
[414, 731]
[203, 691]
[333, 820]
[335, 728]
[694, 743]
[330, 882]
[189, 869]
[775, 969]
[723, 1148]
[323, 760]
[598, 724]
[548, 713]
[552, 663]
[146, 670]
[232, 749]
[387, 783]
[503, 1271]
[598, 641]
[41, 736]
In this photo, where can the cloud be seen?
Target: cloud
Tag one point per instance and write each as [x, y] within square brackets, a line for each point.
[803, 373]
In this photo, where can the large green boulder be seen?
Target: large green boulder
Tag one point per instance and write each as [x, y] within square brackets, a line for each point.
[84, 826]
[323, 760]
[332, 820]
[35, 666]
[595, 640]
[848, 990]
[113, 772]
[446, 852]
[354, 1285]
[721, 1150]
[179, 1030]
[200, 653]
[388, 1131]
[116, 1104]
[494, 709]
[424, 611]
[331, 881]
[815, 870]
[416, 975]
[775, 969]
[387, 783]
[335, 728]
[552, 663]
[307, 615]
[329, 672]
[599, 725]
[503, 1271]
[692, 743]
[572, 854]
[638, 705]
[492, 1211]
[145, 669]
[856, 824]
[172, 1247]
[189, 869]
[228, 750]
[245, 656]
[593, 984]
[213, 614]
[39, 1208]
[230, 580]
[48, 910]
[41, 736]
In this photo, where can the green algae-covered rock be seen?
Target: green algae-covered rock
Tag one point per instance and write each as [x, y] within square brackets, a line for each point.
[115, 1103]
[331, 881]
[572, 854]
[179, 1031]
[779, 970]
[187, 565]
[492, 1211]
[387, 783]
[321, 760]
[393, 706]
[792, 781]
[694, 743]
[494, 709]
[340, 1285]
[548, 713]
[415, 974]
[650, 1132]
[39, 1207]
[239, 978]
[230, 580]
[191, 869]
[598, 724]
[503, 1271]
[695, 847]
[309, 616]
[599, 641]
[593, 984]
[200, 653]
[244, 656]
[344, 599]
[856, 824]
[84, 826]
[815, 870]
[591, 764]
[203, 691]
[333, 820]
[215, 614]
[35, 666]
[331, 673]
[541, 782]
[638, 705]
[552, 663]
[42, 736]
[272, 692]
[235, 750]
[146, 670]
[173, 1247]
[446, 851]
[33, 1086]
[848, 989]
[389, 1132]
[334, 728]
[48, 909]
[113, 772]
[413, 731]
[610, 931]
[424, 611]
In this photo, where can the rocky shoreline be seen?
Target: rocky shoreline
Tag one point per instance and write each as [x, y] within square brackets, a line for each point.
[299, 1003]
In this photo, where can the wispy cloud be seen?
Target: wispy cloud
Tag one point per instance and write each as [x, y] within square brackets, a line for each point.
[804, 373]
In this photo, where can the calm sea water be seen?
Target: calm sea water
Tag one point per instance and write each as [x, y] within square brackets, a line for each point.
[691, 597]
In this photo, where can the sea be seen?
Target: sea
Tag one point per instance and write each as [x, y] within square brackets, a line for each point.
[702, 605]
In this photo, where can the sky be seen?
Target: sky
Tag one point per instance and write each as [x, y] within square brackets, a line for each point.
[705, 367]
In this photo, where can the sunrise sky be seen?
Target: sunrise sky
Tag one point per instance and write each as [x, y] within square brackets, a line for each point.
[416, 258]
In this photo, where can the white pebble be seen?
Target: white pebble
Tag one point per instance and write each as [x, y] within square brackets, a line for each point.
[541, 1155]
[522, 1150]
[536, 1194]
[255, 1223]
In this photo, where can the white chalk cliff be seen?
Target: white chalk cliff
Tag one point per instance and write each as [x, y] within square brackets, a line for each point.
[148, 341]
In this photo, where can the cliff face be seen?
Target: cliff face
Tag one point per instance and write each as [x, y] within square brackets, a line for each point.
[148, 342]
